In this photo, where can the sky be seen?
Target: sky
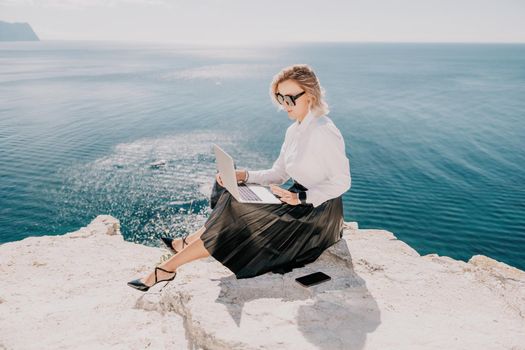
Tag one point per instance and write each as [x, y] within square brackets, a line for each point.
[245, 21]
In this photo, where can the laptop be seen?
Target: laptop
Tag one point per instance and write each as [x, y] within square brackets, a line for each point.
[243, 193]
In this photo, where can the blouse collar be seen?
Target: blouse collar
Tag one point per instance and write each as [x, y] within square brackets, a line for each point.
[306, 120]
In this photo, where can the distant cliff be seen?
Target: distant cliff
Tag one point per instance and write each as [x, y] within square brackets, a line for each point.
[17, 32]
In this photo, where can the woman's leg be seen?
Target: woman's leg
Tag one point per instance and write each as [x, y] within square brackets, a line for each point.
[177, 243]
[195, 250]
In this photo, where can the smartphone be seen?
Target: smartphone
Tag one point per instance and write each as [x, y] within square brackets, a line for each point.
[313, 279]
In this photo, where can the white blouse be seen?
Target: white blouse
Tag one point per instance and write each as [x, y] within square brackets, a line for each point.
[313, 154]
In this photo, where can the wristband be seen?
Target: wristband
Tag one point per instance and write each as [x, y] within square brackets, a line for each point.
[302, 196]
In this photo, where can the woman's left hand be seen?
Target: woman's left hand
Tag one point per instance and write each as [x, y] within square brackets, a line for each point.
[286, 196]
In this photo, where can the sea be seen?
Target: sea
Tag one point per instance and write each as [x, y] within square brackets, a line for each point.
[435, 135]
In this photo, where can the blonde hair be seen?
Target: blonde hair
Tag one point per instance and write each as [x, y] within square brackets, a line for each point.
[303, 75]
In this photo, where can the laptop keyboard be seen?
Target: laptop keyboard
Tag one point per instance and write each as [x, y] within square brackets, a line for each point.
[248, 194]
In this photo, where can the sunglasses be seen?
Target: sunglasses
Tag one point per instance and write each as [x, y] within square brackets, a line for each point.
[289, 99]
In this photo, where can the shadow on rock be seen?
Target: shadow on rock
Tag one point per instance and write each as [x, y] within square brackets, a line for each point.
[335, 314]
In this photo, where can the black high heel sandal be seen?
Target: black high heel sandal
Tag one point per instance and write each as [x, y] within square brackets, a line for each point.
[137, 284]
[168, 242]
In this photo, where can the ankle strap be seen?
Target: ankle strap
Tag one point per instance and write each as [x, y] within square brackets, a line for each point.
[160, 268]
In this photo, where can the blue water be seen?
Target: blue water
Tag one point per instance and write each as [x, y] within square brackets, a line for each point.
[434, 134]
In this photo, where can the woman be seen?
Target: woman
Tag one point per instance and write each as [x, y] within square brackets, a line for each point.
[251, 239]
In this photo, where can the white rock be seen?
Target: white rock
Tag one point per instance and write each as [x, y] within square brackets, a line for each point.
[70, 292]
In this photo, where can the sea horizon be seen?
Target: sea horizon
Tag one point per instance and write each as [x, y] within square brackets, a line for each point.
[433, 131]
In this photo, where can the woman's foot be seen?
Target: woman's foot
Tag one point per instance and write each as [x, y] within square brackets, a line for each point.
[161, 275]
[177, 244]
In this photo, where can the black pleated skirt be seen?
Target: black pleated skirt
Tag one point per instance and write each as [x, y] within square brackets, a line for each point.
[251, 239]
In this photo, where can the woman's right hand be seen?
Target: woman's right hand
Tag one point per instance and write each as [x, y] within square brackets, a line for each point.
[240, 174]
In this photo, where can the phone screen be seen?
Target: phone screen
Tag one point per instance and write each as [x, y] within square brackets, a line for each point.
[313, 278]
